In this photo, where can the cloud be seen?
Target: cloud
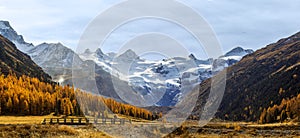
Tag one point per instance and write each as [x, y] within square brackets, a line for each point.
[40, 20]
[139, 27]
[246, 23]
[250, 23]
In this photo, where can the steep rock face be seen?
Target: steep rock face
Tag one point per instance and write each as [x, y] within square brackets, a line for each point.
[14, 61]
[259, 80]
[8, 32]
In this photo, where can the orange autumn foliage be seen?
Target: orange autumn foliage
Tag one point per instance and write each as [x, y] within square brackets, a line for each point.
[29, 96]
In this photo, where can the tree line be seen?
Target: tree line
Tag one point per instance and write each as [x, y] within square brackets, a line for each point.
[29, 96]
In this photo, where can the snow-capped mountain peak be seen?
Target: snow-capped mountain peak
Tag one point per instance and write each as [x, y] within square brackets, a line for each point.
[87, 52]
[129, 54]
[94, 56]
[52, 55]
[8, 32]
[99, 52]
[238, 51]
[192, 56]
[236, 54]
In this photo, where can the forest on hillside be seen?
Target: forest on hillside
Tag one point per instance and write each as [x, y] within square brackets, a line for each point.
[289, 109]
[29, 96]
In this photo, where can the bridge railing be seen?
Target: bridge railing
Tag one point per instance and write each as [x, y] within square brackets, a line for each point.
[85, 121]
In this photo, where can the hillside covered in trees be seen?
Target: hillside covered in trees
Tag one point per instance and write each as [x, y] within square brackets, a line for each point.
[260, 80]
[289, 109]
[28, 96]
[14, 61]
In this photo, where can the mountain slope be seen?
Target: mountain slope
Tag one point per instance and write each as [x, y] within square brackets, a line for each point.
[13, 60]
[255, 82]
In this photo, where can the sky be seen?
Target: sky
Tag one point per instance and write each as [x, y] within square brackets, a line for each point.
[248, 23]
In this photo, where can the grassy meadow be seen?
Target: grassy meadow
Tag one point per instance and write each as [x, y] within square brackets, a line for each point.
[31, 127]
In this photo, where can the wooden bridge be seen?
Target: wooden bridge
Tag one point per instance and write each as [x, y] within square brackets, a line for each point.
[85, 121]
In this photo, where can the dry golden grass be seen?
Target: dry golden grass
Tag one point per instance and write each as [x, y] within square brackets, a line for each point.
[275, 124]
[30, 127]
[92, 134]
[49, 131]
[5, 120]
[22, 119]
[33, 131]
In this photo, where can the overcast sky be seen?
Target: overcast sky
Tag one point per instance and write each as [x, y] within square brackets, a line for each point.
[246, 23]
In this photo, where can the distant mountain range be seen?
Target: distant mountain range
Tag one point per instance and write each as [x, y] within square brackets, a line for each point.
[255, 80]
[260, 80]
[171, 77]
[166, 76]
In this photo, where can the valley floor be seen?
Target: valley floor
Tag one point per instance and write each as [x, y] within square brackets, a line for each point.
[238, 129]
[30, 127]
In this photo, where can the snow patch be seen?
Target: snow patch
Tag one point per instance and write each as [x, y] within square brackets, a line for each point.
[232, 57]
